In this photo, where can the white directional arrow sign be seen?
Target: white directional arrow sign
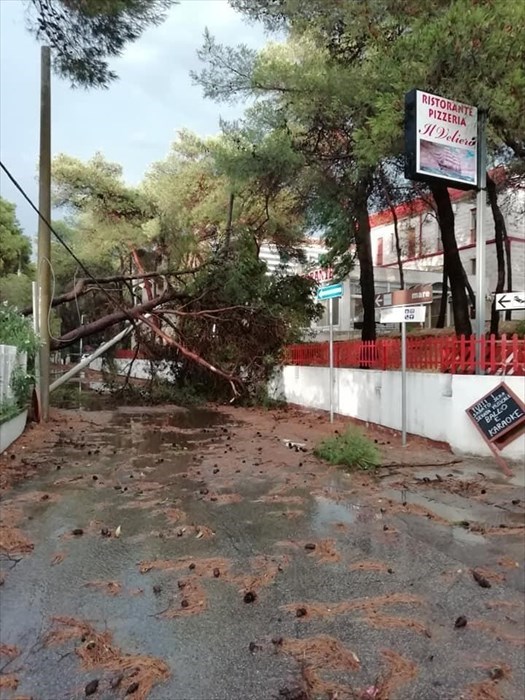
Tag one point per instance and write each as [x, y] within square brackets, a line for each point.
[510, 301]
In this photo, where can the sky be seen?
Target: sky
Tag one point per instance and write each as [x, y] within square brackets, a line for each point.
[135, 120]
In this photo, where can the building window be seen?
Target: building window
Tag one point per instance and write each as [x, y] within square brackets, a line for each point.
[473, 223]
[323, 322]
[379, 252]
[473, 266]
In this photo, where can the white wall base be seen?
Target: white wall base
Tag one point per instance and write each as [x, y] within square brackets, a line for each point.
[141, 369]
[436, 403]
[11, 430]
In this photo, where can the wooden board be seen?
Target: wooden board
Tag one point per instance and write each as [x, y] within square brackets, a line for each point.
[499, 416]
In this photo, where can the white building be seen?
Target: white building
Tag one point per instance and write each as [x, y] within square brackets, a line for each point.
[422, 255]
[421, 240]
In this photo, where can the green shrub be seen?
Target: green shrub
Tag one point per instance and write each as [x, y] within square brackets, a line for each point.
[520, 329]
[8, 409]
[351, 449]
[17, 330]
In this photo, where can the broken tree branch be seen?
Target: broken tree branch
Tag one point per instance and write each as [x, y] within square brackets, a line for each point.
[101, 324]
[192, 356]
[81, 287]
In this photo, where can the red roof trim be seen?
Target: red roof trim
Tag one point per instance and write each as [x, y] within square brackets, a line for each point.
[412, 208]
[421, 205]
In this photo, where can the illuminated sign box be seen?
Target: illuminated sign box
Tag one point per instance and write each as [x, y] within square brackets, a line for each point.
[441, 140]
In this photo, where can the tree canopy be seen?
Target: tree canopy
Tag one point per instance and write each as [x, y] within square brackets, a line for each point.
[338, 82]
[15, 247]
[85, 34]
[184, 247]
[16, 270]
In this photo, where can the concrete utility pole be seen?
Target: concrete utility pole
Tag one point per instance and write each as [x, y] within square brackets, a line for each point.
[44, 234]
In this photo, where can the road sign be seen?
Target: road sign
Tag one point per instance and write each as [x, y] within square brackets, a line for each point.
[403, 314]
[332, 291]
[419, 294]
[510, 301]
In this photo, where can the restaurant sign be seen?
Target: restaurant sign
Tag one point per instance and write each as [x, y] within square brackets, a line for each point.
[440, 140]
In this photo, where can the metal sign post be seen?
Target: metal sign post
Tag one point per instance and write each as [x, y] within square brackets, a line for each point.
[403, 315]
[331, 359]
[404, 384]
[480, 239]
[329, 293]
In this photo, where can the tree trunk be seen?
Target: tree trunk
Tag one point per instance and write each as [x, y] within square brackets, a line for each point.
[392, 208]
[451, 259]
[470, 291]
[442, 316]
[500, 231]
[113, 318]
[366, 265]
[398, 250]
[229, 222]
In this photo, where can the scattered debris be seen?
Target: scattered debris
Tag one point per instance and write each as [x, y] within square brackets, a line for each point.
[378, 566]
[118, 531]
[193, 602]
[58, 558]
[372, 604]
[480, 579]
[8, 681]
[496, 673]
[109, 587]
[13, 540]
[78, 531]
[250, 597]
[10, 651]
[98, 651]
[116, 681]
[382, 621]
[461, 621]
[322, 651]
[92, 687]
[400, 671]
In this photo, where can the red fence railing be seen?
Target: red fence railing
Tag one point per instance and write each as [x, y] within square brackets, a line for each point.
[449, 354]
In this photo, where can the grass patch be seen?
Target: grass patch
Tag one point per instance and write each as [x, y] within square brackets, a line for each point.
[351, 449]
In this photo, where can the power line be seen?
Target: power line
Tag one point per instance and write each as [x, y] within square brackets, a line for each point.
[63, 242]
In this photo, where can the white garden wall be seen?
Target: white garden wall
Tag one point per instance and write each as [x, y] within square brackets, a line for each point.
[12, 429]
[141, 369]
[435, 407]
[8, 361]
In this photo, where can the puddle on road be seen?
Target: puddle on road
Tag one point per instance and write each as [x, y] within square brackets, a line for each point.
[328, 512]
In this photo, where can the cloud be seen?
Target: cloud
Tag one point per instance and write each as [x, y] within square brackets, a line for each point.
[136, 119]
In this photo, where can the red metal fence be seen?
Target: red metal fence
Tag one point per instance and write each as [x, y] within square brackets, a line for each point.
[499, 356]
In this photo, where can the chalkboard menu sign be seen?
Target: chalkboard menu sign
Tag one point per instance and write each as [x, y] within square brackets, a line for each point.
[499, 416]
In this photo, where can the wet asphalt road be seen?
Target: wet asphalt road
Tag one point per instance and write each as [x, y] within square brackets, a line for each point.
[208, 513]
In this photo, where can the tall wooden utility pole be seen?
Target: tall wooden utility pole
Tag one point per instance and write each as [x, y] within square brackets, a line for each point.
[44, 234]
